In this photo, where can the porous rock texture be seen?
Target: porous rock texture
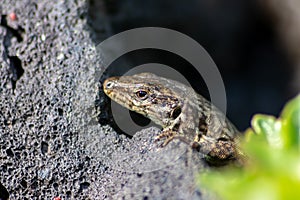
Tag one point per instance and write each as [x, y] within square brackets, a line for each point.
[51, 144]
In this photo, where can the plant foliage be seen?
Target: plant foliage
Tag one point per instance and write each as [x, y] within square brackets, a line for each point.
[272, 166]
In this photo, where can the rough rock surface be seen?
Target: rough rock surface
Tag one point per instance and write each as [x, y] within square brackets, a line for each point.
[51, 144]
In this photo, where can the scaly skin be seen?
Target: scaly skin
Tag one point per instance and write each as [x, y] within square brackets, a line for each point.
[182, 113]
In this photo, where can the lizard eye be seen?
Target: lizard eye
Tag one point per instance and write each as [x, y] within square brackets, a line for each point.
[142, 94]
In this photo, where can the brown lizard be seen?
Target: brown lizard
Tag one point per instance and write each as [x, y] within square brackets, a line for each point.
[181, 112]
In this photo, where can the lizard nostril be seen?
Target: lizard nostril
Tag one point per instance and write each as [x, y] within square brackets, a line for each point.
[109, 84]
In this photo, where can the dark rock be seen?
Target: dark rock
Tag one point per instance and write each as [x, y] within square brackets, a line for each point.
[51, 142]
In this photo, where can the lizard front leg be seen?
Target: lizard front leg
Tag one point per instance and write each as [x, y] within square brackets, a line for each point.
[168, 134]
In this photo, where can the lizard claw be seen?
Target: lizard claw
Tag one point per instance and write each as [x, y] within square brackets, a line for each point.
[168, 134]
[165, 143]
[156, 139]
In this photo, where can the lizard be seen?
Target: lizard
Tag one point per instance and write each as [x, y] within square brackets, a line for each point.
[180, 111]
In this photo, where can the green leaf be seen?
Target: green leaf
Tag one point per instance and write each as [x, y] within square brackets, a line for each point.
[290, 118]
[268, 127]
[272, 168]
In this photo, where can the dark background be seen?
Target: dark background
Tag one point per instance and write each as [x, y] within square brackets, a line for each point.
[240, 36]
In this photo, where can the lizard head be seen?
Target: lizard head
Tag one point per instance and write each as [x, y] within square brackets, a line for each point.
[146, 94]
